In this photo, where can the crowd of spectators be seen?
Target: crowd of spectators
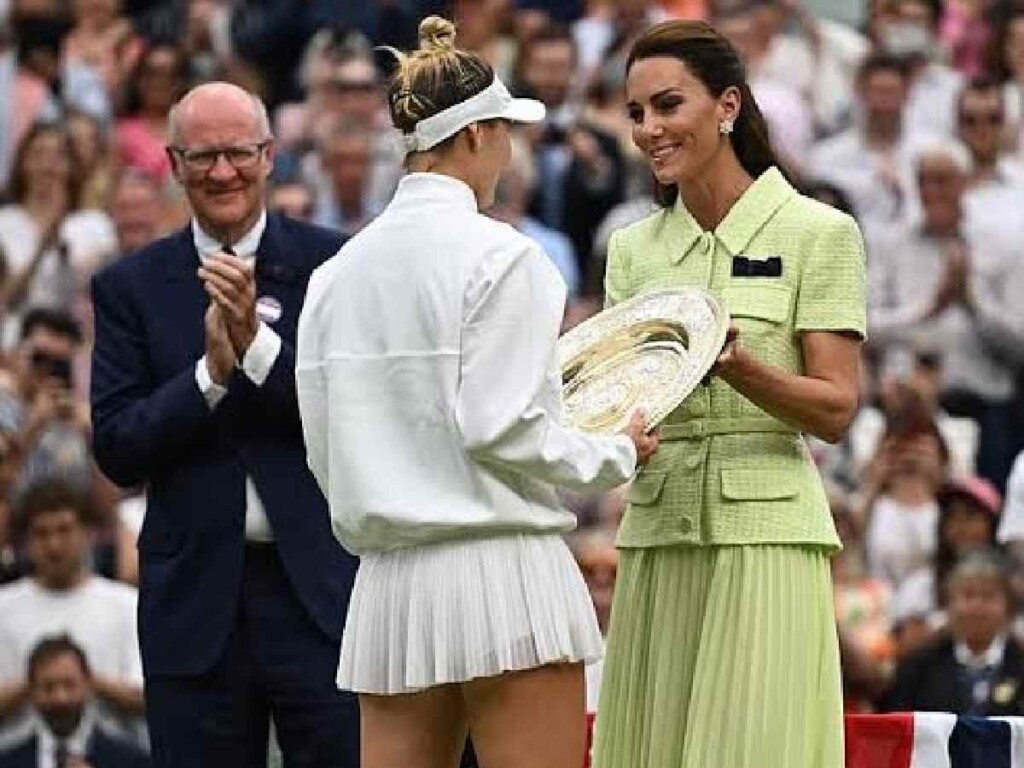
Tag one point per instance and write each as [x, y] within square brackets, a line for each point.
[913, 122]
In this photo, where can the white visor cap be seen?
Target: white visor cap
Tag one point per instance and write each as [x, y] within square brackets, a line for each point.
[492, 103]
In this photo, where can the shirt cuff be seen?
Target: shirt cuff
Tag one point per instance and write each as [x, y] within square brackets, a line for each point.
[212, 392]
[261, 355]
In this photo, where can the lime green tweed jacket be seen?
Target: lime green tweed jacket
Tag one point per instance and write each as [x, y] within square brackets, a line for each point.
[727, 472]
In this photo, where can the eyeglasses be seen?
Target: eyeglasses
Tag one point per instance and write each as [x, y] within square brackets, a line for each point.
[243, 157]
[986, 118]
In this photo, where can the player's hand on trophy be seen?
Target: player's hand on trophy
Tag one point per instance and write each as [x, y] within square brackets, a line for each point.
[646, 444]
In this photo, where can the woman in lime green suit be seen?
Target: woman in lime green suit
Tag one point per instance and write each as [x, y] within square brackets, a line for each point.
[723, 649]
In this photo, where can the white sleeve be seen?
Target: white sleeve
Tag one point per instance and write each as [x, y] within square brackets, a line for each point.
[212, 392]
[261, 355]
[311, 385]
[509, 400]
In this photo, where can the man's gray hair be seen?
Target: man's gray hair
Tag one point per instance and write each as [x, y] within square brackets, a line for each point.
[258, 107]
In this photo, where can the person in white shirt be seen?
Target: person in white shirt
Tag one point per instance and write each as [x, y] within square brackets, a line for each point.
[430, 403]
[948, 283]
[871, 163]
[997, 180]
[64, 597]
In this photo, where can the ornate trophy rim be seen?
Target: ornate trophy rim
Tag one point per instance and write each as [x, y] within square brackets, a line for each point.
[648, 352]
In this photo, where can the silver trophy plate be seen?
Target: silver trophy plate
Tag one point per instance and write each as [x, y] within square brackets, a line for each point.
[648, 353]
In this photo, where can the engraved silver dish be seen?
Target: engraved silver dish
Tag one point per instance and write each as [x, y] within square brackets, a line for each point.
[649, 352]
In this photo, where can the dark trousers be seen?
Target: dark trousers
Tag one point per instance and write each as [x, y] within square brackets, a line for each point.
[278, 664]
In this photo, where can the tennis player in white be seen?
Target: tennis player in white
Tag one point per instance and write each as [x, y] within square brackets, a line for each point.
[430, 401]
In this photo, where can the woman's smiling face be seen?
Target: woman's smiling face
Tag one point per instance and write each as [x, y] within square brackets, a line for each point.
[675, 119]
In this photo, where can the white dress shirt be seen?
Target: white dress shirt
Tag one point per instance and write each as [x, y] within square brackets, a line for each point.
[858, 169]
[427, 381]
[259, 358]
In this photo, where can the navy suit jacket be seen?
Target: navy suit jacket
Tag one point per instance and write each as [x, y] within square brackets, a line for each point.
[152, 425]
[103, 752]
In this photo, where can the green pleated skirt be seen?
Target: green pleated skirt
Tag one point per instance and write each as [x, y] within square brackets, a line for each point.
[721, 657]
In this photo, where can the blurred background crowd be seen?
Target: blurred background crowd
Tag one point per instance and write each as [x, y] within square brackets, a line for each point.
[908, 114]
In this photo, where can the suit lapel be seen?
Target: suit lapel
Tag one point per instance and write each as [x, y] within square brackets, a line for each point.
[275, 262]
[183, 300]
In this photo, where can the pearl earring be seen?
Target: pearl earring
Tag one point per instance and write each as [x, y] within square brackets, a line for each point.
[725, 127]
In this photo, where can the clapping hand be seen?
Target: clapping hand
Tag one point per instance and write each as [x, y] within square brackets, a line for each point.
[220, 353]
[231, 283]
[953, 286]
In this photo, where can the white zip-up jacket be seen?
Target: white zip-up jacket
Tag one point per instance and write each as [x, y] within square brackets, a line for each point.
[427, 381]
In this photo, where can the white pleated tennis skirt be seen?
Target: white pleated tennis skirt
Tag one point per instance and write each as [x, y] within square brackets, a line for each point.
[456, 611]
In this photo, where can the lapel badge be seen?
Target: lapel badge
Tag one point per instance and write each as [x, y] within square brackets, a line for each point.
[269, 309]
[1004, 692]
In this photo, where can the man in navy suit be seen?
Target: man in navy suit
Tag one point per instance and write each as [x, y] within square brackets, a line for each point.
[65, 731]
[243, 587]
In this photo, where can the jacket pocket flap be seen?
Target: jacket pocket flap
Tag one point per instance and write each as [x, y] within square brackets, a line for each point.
[757, 485]
[646, 487]
[762, 300]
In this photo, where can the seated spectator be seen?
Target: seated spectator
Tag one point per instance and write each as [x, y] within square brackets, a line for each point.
[908, 378]
[899, 506]
[580, 169]
[786, 108]
[63, 596]
[35, 80]
[54, 431]
[512, 198]
[137, 210]
[159, 80]
[965, 32]
[968, 519]
[65, 730]
[293, 199]
[95, 157]
[50, 241]
[98, 52]
[911, 32]
[818, 56]
[297, 125]
[871, 162]
[1006, 65]
[950, 282]
[997, 181]
[977, 666]
[480, 24]
[346, 94]
[346, 157]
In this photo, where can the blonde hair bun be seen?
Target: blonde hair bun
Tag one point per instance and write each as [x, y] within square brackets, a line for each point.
[437, 34]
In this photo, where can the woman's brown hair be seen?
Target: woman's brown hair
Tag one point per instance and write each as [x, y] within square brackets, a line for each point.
[19, 184]
[715, 62]
[435, 77]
